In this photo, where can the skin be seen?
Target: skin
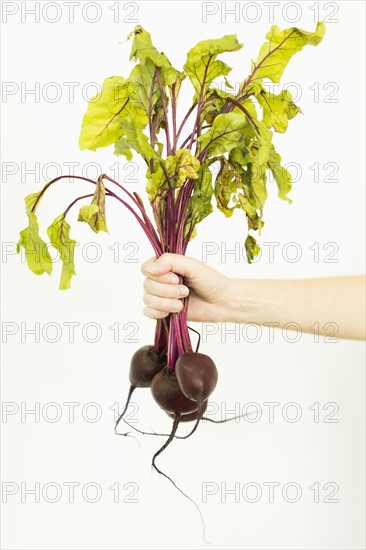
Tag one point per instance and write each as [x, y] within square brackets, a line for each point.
[213, 297]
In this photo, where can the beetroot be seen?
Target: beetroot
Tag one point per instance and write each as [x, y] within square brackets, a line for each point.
[145, 363]
[197, 375]
[168, 395]
[195, 415]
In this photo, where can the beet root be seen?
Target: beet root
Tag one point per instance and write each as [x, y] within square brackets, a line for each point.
[168, 395]
[145, 364]
[197, 375]
[195, 415]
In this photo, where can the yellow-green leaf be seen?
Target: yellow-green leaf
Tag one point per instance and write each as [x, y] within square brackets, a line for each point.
[94, 213]
[155, 182]
[182, 166]
[87, 212]
[280, 174]
[136, 139]
[59, 234]
[36, 252]
[251, 248]
[225, 133]
[101, 125]
[122, 148]
[202, 65]
[228, 183]
[143, 49]
[277, 109]
[199, 205]
[275, 54]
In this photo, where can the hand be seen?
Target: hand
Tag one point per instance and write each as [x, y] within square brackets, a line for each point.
[205, 286]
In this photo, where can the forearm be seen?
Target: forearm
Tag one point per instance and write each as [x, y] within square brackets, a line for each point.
[337, 300]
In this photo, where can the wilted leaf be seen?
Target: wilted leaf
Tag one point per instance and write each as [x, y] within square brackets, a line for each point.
[226, 132]
[143, 49]
[199, 205]
[94, 213]
[275, 54]
[251, 248]
[182, 166]
[59, 234]
[202, 65]
[36, 252]
[101, 124]
[277, 109]
[280, 174]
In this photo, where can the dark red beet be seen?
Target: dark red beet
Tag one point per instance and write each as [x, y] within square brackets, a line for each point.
[144, 365]
[193, 415]
[168, 395]
[197, 375]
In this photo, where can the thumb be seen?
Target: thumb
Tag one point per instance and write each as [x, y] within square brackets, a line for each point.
[177, 263]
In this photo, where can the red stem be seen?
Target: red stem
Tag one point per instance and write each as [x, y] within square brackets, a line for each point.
[188, 114]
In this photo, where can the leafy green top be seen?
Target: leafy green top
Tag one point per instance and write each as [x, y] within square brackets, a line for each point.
[231, 130]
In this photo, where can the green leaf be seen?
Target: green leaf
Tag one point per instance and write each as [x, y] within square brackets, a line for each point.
[59, 234]
[251, 161]
[234, 189]
[277, 109]
[32, 201]
[36, 252]
[199, 205]
[147, 86]
[87, 212]
[215, 101]
[101, 125]
[275, 54]
[227, 183]
[251, 248]
[247, 206]
[226, 132]
[255, 179]
[122, 147]
[136, 139]
[182, 166]
[155, 182]
[281, 175]
[94, 213]
[202, 65]
[143, 49]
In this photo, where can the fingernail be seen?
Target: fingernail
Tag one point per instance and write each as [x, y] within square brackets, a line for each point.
[183, 292]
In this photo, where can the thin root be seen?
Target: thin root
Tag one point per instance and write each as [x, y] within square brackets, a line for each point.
[176, 422]
[130, 392]
[161, 435]
[205, 418]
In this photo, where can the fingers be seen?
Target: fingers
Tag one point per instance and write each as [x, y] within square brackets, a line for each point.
[163, 292]
[164, 274]
[163, 305]
[155, 313]
[158, 288]
[176, 263]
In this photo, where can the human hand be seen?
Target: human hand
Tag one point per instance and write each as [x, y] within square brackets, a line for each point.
[206, 287]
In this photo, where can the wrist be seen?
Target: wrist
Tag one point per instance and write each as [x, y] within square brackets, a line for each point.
[249, 301]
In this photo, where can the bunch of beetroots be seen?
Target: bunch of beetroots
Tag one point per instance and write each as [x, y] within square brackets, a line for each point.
[181, 392]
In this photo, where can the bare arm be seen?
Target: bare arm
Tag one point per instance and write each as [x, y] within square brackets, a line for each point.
[337, 300]
[217, 298]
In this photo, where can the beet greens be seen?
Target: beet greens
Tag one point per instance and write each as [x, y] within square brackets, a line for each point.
[231, 130]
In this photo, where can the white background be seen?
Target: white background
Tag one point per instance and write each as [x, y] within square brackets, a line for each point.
[109, 292]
